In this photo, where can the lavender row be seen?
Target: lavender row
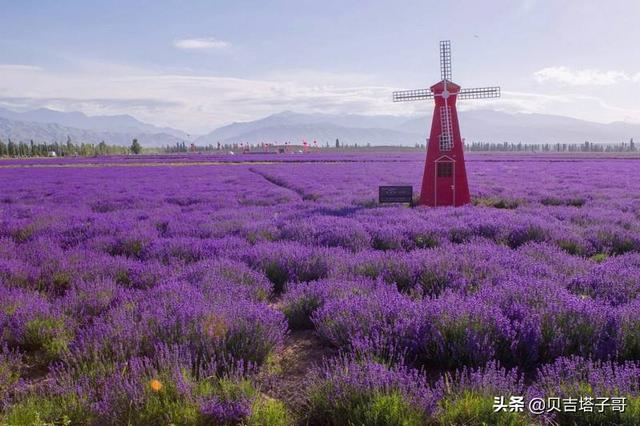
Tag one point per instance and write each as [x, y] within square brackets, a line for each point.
[146, 293]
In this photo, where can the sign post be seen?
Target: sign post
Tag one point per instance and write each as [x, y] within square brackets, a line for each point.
[395, 194]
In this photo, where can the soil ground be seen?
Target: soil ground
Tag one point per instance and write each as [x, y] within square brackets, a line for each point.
[288, 372]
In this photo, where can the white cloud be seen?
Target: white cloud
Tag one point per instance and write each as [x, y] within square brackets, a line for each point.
[196, 103]
[18, 67]
[586, 77]
[585, 107]
[199, 103]
[302, 75]
[207, 43]
[526, 6]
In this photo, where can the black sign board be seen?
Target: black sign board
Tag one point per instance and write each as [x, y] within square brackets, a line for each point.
[395, 194]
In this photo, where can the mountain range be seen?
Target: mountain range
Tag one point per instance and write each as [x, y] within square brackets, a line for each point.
[48, 125]
[476, 125]
[101, 123]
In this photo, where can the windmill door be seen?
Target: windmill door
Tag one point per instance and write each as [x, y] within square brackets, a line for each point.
[445, 182]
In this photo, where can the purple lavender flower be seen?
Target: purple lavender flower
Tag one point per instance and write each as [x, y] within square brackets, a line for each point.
[226, 412]
[345, 390]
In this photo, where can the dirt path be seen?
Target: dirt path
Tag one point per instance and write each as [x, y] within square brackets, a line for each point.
[302, 349]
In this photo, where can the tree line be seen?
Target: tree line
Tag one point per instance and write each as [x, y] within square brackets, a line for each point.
[552, 147]
[43, 149]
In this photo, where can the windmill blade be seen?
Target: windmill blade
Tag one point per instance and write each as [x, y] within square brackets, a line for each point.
[412, 95]
[445, 60]
[479, 93]
[446, 135]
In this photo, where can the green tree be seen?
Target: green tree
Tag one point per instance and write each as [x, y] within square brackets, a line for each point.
[136, 148]
[102, 148]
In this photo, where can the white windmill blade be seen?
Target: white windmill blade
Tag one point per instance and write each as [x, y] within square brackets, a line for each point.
[445, 60]
[446, 135]
[412, 95]
[479, 93]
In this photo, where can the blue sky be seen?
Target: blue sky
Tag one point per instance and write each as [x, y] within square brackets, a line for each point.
[196, 65]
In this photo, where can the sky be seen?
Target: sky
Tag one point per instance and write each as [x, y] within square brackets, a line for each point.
[197, 65]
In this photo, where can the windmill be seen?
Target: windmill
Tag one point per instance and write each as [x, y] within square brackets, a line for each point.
[444, 182]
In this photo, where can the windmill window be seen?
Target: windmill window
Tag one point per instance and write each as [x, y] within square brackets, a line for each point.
[445, 170]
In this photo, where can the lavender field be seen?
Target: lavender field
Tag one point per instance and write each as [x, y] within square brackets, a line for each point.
[242, 290]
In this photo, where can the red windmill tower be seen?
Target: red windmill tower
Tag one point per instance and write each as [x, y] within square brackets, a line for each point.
[444, 182]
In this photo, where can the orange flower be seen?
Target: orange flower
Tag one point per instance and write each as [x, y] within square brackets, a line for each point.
[156, 385]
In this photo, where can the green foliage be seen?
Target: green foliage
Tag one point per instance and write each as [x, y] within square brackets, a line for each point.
[299, 312]
[311, 197]
[398, 273]
[456, 331]
[599, 257]
[136, 148]
[280, 271]
[460, 235]
[497, 202]
[130, 247]
[272, 365]
[630, 416]
[314, 268]
[425, 240]
[166, 409]
[383, 242]
[552, 201]
[22, 235]
[433, 282]
[474, 409]
[32, 149]
[38, 411]
[244, 278]
[122, 277]
[521, 236]
[8, 377]
[162, 403]
[61, 281]
[614, 243]
[277, 274]
[232, 390]
[269, 412]
[629, 339]
[368, 268]
[166, 405]
[48, 335]
[362, 408]
[576, 202]
[11, 367]
[391, 410]
[261, 235]
[571, 247]
[623, 245]
[249, 343]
